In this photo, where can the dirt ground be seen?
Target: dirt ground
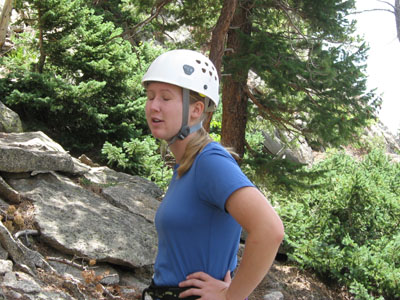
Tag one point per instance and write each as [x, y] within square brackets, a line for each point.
[296, 284]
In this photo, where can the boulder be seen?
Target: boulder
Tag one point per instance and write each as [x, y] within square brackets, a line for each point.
[77, 221]
[9, 120]
[32, 151]
[79, 210]
[301, 154]
[380, 131]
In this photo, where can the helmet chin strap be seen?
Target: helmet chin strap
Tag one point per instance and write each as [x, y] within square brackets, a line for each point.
[185, 128]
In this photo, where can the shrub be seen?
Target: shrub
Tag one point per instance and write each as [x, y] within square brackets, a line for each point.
[83, 87]
[346, 227]
[140, 157]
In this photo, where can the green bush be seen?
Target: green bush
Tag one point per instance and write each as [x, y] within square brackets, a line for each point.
[141, 157]
[83, 88]
[346, 228]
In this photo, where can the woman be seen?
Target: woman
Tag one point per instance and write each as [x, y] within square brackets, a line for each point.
[209, 199]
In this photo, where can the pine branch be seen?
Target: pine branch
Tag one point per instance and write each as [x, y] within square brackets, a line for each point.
[155, 12]
[271, 115]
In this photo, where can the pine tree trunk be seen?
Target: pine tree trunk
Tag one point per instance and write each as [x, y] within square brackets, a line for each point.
[234, 99]
[5, 20]
[397, 16]
[218, 38]
[218, 41]
[42, 57]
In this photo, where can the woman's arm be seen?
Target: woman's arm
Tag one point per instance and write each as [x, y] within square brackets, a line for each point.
[265, 233]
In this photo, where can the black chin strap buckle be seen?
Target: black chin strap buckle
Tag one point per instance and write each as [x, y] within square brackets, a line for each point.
[184, 132]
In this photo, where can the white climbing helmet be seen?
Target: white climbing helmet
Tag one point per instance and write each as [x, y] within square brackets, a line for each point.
[188, 69]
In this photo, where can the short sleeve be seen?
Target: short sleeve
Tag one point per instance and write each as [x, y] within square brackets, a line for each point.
[218, 176]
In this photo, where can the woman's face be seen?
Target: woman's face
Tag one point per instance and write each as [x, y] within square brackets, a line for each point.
[164, 109]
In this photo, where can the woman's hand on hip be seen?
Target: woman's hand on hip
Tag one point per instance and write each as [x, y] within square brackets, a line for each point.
[206, 286]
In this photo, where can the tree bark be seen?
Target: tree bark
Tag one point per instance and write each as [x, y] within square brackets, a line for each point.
[218, 41]
[397, 16]
[5, 20]
[234, 98]
[42, 58]
[219, 33]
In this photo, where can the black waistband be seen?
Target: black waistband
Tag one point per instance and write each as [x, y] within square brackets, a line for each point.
[166, 292]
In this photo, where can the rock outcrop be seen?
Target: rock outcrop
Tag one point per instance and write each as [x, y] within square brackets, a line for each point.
[9, 120]
[78, 211]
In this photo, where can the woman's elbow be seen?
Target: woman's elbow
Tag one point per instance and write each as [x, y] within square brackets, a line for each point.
[279, 232]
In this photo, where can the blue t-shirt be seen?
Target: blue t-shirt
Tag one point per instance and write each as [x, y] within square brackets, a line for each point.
[195, 232]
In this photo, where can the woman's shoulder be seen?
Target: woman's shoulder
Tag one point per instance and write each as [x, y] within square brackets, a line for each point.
[214, 153]
[214, 148]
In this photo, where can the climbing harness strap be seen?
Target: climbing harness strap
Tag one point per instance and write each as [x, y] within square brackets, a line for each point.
[165, 292]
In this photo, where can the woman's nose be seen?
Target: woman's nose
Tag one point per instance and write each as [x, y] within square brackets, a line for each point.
[154, 104]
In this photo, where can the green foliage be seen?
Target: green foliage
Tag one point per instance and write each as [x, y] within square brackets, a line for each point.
[216, 124]
[197, 18]
[312, 69]
[88, 89]
[346, 227]
[141, 157]
[266, 170]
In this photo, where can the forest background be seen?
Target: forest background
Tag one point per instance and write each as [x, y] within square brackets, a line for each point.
[295, 67]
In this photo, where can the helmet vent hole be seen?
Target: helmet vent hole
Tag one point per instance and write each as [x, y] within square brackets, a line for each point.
[206, 64]
[205, 86]
[210, 73]
[198, 61]
[204, 70]
[215, 78]
[188, 69]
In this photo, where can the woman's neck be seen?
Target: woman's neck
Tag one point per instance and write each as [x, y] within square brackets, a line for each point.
[178, 148]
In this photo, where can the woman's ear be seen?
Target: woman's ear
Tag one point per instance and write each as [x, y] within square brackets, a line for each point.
[197, 110]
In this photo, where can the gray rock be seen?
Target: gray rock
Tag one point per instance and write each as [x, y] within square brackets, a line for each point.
[52, 295]
[302, 153]
[3, 253]
[79, 222]
[5, 266]
[276, 295]
[394, 157]
[110, 279]
[380, 131]
[21, 282]
[110, 274]
[125, 197]
[107, 177]
[32, 151]
[9, 120]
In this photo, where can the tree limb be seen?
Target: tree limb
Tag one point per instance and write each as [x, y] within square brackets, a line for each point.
[388, 3]
[108, 293]
[6, 191]
[135, 29]
[66, 262]
[371, 10]
[26, 232]
[22, 256]
[272, 116]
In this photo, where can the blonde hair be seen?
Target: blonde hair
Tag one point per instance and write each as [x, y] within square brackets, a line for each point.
[198, 142]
